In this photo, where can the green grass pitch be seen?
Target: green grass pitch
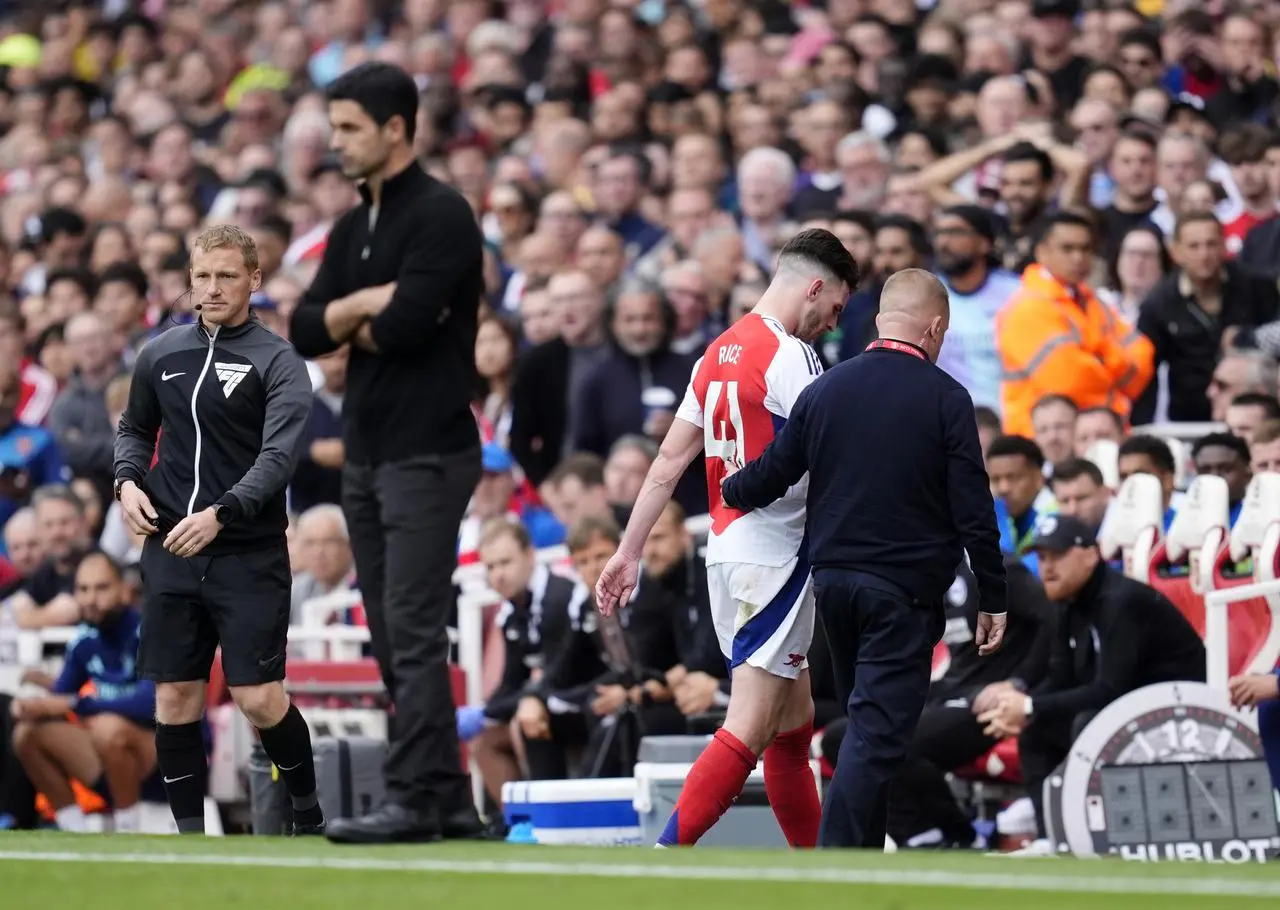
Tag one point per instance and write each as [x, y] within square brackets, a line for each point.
[102, 872]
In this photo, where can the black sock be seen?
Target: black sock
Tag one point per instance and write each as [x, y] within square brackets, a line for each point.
[288, 745]
[180, 755]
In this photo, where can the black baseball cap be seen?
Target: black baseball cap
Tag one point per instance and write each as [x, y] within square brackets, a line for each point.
[1059, 533]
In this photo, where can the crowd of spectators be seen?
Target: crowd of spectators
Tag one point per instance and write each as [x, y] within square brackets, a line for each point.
[1097, 184]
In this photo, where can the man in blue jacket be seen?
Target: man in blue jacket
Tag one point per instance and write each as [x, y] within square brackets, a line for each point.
[897, 494]
[106, 739]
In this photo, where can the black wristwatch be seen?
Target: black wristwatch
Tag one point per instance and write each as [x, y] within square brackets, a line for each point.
[223, 514]
[120, 482]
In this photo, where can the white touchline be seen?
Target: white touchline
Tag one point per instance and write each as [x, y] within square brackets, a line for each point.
[919, 878]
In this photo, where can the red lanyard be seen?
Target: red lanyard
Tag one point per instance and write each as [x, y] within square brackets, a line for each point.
[898, 346]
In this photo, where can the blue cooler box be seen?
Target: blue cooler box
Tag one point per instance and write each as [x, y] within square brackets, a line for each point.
[595, 812]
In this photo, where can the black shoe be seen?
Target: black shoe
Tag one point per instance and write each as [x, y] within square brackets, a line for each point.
[463, 824]
[300, 830]
[391, 823]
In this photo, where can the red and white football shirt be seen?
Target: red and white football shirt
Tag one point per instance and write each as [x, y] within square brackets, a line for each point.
[741, 393]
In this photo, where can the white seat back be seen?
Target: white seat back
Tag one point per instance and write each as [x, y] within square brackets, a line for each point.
[1259, 516]
[1199, 529]
[1133, 524]
[1106, 455]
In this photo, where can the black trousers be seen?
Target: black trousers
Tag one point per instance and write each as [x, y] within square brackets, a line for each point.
[1044, 744]
[921, 800]
[403, 520]
[17, 795]
[881, 643]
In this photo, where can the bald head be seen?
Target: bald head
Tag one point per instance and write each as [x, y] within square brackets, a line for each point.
[914, 307]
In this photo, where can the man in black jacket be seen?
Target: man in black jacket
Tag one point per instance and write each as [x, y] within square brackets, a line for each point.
[637, 646]
[540, 610]
[897, 492]
[234, 400]
[1111, 635]
[548, 378]
[401, 280]
[1186, 313]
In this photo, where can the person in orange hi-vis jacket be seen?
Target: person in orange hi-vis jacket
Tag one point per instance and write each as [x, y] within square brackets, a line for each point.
[1056, 338]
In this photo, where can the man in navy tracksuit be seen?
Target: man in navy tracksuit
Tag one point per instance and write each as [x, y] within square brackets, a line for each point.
[101, 737]
[897, 493]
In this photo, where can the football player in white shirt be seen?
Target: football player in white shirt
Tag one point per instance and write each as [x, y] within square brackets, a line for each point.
[741, 393]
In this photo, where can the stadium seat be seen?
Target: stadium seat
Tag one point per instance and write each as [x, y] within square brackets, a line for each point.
[1183, 564]
[941, 661]
[1000, 763]
[1256, 536]
[1132, 527]
[1106, 455]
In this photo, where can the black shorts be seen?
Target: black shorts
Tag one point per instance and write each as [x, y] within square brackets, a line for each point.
[190, 606]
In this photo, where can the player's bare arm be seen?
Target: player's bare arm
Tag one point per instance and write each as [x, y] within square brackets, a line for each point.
[681, 445]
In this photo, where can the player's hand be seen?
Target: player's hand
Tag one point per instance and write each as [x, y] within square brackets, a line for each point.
[140, 516]
[375, 299]
[193, 533]
[696, 693]
[652, 688]
[1007, 718]
[608, 700]
[532, 718]
[1253, 688]
[990, 633]
[676, 675]
[989, 697]
[616, 582]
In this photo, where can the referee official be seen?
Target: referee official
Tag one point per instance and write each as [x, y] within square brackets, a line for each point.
[897, 492]
[233, 399]
[401, 281]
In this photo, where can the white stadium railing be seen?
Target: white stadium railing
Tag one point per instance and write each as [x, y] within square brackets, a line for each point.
[313, 637]
[1216, 626]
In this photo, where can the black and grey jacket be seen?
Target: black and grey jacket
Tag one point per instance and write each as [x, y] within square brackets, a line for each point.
[231, 405]
[534, 625]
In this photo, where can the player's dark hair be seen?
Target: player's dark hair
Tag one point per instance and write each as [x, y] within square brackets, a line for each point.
[1152, 447]
[1141, 37]
[589, 527]
[1025, 151]
[82, 278]
[1075, 468]
[587, 467]
[382, 90]
[820, 247]
[864, 220]
[916, 234]
[1019, 446]
[1064, 219]
[1225, 440]
[116, 569]
[57, 492]
[1268, 431]
[1245, 144]
[1186, 220]
[987, 418]
[1050, 400]
[497, 528]
[1115, 418]
[1269, 404]
[129, 273]
[277, 225]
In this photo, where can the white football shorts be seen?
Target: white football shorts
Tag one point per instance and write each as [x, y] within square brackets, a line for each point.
[763, 615]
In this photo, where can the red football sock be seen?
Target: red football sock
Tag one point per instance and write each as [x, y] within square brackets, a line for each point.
[714, 782]
[790, 786]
